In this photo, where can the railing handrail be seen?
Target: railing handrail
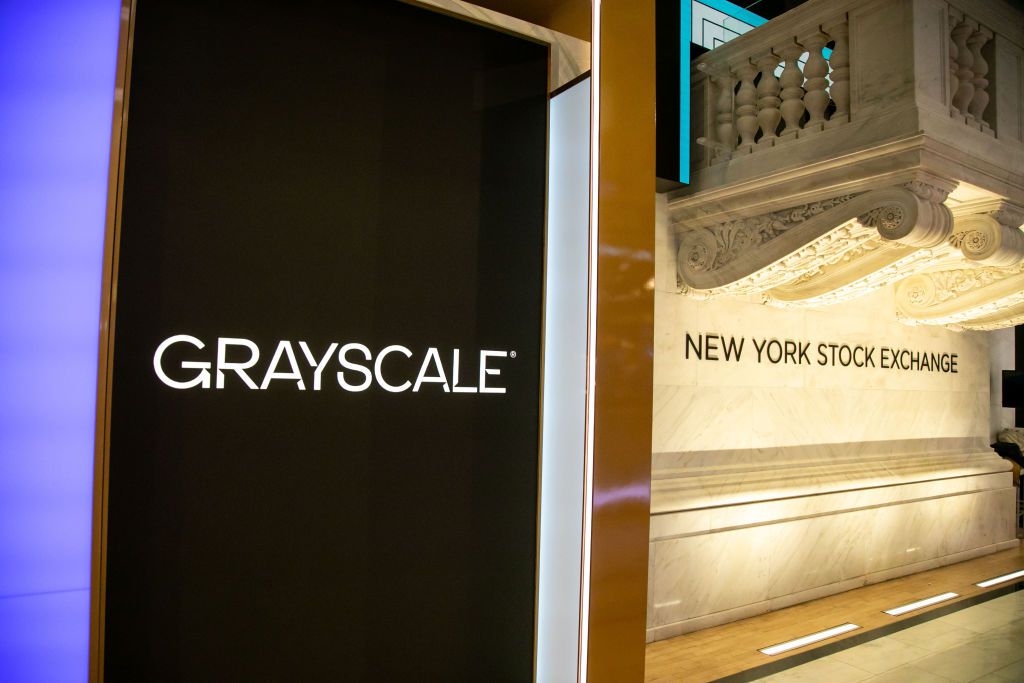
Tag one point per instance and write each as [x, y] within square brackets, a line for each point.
[996, 15]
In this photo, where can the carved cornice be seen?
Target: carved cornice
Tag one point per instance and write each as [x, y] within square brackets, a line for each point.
[930, 191]
[1010, 216]
[829, 248]
[992, 311]
[753, 255]
[975, 298]
[715, 247]
[998, 324]
[932, 289]
[993, 239]
[837, 258]
[874, 279]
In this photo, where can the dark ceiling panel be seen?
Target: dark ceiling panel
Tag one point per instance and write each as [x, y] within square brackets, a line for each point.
[566, 16]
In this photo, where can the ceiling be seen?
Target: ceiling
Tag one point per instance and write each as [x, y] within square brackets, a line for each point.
[566, 16]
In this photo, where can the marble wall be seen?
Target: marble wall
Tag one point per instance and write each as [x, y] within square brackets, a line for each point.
[775, 483]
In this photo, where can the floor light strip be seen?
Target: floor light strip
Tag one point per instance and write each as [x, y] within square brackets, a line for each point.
[807, 640]
[903, 609]
[1000, 579]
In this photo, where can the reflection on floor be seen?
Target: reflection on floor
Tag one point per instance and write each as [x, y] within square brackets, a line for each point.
[983, 643]
[730, 652]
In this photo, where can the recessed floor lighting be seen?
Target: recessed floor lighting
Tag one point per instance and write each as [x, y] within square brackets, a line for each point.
[903, 609]
[1000, 579]
[807, 640]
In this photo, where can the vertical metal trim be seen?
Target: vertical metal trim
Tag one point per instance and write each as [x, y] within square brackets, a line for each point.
[108, 306]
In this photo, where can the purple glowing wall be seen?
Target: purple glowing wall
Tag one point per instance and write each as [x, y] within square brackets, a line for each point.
[57, 72]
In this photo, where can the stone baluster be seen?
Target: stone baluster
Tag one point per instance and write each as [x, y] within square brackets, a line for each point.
[840, 63]
[746, 107]
[792, 89]
[816, 69]
[964, 73]
[768, 113]
[724, 126]
[979, 101]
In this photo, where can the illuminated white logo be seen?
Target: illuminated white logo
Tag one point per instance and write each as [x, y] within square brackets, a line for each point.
[360, 368]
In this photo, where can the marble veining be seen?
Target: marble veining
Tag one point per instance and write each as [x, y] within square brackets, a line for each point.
[773, 484]
[698, 580]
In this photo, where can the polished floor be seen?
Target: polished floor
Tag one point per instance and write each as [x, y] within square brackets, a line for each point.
[937, 646]
[982, 643]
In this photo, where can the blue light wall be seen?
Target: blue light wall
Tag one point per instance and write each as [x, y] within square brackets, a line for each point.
[57, 71]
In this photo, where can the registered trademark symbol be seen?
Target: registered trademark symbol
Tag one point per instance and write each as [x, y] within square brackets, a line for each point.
[512, 354]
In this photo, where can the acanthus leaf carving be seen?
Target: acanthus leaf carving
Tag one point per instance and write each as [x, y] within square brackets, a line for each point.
[991, 239]
[932, 289]
[970, 241]
[885, 219]
[928, 191]
[991, 325]
[753, 254]
[733, 238]
[838, 256]
[871, 281]
[1009, 217]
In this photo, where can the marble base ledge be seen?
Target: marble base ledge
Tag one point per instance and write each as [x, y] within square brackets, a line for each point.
[738, 533]
[726, 616]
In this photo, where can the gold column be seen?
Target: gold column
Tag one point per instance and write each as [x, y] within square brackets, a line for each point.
[624, 341]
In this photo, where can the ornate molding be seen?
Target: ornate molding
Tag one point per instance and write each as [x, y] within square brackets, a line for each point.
[973, 298]
[837, 257]
[993, 311]
[874, 279]
[930, 191]
[931, 289]
[926, 222]
[712, 248]
[885, 219]
[994, 325]
[1009, 216]
[752, 255]
[986, 239]
[830, 248]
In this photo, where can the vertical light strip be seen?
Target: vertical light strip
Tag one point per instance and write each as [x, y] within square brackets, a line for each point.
[563, 445]
[588, 455]
[685, 38]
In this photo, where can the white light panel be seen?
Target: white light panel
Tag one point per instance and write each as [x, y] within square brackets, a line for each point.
[1000, 579]
[903, 609]
[808, 639]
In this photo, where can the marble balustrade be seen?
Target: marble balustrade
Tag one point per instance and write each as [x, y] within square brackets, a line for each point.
[786, 90]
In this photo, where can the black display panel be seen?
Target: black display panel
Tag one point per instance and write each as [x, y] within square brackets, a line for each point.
[300, 174]
[667, 123]
[1013, 389]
